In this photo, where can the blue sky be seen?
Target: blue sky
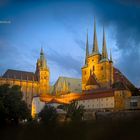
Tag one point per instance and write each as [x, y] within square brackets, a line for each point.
[61, 26]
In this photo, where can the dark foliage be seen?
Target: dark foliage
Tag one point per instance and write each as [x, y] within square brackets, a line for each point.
[74, 111]
[12, 108]
[48, 114]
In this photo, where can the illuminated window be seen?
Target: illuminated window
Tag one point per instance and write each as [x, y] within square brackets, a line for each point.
[93, 68]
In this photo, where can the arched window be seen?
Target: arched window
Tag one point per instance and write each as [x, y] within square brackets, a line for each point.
[85, 72]
[93, 68]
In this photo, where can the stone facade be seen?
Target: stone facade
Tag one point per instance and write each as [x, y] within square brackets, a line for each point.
[32, 84]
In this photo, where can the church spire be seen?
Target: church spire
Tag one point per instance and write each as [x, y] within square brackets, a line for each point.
[110, 55]
[95, 42]
[104, 49]
[41, 51]
[87, 49]
[42, 59]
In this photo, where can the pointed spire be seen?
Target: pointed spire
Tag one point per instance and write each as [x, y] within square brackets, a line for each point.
[104, 49]
[42, 58]
[95, 42]
[41, 52]
[110, 55]
[87, 49]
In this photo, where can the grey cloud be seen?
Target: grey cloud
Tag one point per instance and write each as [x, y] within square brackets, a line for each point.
[65, 61]
[125, 17]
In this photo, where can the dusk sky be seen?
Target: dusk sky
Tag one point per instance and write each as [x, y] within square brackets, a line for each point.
[60, 27]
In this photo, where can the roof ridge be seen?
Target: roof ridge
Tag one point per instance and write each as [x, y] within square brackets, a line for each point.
[19, 71]
[69, 78]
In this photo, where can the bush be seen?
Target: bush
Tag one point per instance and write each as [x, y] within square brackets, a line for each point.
[74, 111]
[48, 114]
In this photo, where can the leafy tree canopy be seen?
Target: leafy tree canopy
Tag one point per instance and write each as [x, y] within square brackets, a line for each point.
[12, 107]
[74, 111]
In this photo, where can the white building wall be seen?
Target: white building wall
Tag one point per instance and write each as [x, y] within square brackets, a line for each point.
[37, 106]
[98, 103]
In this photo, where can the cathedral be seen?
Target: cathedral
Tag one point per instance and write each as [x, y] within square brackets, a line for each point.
[98, 69]
[32, 84]
[102, 86]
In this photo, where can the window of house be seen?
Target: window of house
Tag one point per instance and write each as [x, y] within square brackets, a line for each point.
[133, 104]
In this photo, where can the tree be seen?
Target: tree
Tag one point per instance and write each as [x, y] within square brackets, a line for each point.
[74, 111]
[12, 107]
[48, 114]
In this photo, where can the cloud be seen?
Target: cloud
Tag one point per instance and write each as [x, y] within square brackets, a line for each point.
[124, 17]
[65, 61]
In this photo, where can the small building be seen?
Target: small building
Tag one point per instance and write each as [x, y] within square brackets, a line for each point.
[37, 106]
[104, 100]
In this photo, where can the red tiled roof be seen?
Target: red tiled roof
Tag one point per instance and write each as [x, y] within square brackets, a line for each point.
[119, 77]
[97, 95]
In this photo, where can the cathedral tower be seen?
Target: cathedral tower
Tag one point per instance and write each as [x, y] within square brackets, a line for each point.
[43, 74]
[98, 69]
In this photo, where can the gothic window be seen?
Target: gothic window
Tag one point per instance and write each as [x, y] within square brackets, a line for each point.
[85, 72]
[93, 68]
[102, 68]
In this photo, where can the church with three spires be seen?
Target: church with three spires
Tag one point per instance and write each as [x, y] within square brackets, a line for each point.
[98, 69]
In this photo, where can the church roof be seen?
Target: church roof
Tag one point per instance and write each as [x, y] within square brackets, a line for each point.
[20, 75]
[119, 85]
[74, 84]
[119, 77]
[98, 94]
[92, 81]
